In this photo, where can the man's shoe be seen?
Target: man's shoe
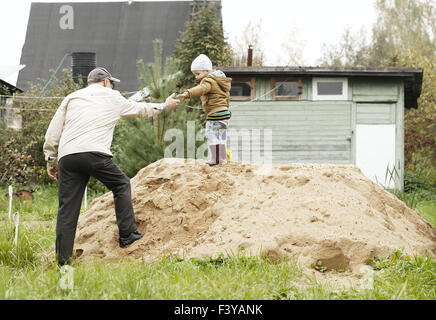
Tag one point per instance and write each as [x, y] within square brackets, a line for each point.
[130, 239]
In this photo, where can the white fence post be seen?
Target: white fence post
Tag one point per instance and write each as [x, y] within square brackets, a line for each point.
[16, 218]
[10, 202]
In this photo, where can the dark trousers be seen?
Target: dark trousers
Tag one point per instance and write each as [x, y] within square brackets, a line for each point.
[74, 173]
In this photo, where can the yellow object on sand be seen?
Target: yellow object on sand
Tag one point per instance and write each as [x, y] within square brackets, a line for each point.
[229, 155]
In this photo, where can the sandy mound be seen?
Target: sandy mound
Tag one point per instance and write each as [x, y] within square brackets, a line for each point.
[331, 213]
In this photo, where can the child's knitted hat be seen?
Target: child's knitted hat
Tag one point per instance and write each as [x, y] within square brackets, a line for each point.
[202, 62]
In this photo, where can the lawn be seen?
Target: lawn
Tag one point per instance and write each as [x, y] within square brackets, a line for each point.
[428, 210]
[27, 271]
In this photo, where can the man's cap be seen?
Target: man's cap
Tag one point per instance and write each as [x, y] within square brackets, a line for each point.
[99, 74]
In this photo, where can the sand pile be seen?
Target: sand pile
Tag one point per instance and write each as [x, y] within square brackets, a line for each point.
[331, 213]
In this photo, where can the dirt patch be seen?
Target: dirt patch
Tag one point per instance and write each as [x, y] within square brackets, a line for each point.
[320, 212]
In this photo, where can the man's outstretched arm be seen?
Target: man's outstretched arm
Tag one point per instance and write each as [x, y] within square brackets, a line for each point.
[144, 109]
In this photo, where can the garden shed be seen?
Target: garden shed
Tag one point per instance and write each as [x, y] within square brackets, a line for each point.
[9, 116]
[323, 115]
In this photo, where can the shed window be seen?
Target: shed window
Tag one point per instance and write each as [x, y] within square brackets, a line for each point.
[286, 89]
[330, 88]
[242, 89]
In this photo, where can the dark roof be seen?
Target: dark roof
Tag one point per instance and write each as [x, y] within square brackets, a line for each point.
[6, 88]
[412, 77]
[119, 33]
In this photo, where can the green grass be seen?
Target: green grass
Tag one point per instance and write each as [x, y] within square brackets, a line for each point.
[236, 278]
[44, 205]
[404, 277]
[228, 277]
[428, 210]
[31, 243]
[28, 272]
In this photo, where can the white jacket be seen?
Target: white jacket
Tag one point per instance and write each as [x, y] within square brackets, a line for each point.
[86, 119]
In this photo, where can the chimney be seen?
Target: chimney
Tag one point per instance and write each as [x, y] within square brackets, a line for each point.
[81, 64]
[250, 56]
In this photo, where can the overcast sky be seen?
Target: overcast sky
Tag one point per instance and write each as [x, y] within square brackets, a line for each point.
[311, 23]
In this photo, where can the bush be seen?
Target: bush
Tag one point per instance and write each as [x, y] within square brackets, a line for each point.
[16, 167]
[25, 159]
[420, 167]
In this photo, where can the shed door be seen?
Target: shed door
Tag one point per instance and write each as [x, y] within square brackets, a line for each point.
[375, 142]
[375, 152]
[301, 131]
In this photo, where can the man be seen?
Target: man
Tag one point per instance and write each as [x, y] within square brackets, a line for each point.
[77, 146]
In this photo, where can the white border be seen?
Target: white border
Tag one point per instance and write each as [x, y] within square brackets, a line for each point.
[343, 96]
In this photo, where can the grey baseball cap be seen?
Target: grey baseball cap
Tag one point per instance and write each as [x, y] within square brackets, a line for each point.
[99, 74]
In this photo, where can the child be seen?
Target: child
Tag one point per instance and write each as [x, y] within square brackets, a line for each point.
[214, 92]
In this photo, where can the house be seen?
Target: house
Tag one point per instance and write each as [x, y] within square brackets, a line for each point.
[324, 115]
[8, 116]
[81, 35]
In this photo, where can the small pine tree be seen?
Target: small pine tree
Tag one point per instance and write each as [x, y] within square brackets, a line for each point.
[138, 141]
[203, 34]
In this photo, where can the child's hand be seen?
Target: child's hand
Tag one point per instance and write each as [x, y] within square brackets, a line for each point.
[183, 96]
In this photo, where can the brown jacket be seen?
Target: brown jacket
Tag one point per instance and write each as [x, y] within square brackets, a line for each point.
[214, 92]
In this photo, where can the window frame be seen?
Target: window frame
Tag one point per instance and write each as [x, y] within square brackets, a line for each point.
[286, 79]
[343, 96]
[252, 81]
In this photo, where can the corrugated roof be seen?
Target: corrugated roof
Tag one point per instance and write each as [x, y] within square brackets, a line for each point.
[118, 32]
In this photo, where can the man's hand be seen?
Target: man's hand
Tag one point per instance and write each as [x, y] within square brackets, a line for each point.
[183, 96]
[52, 172]
[171, 103]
